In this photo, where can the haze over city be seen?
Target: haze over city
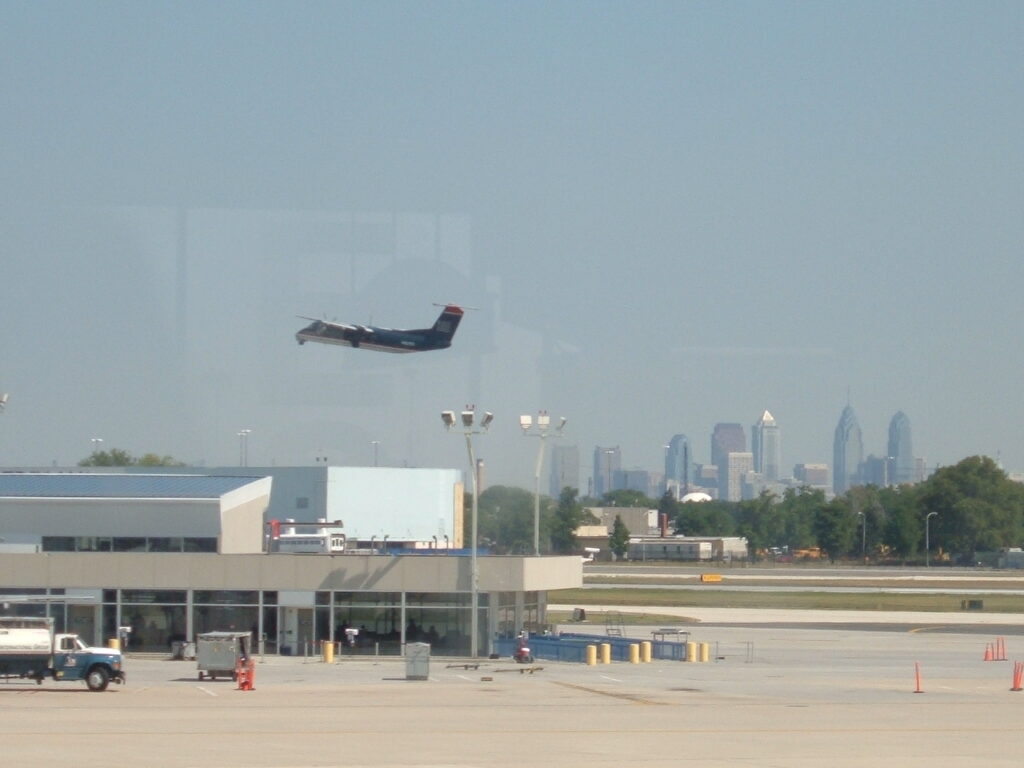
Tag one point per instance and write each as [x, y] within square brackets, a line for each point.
[666, 214]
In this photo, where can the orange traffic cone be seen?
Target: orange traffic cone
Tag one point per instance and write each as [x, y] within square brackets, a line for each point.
[988, 652]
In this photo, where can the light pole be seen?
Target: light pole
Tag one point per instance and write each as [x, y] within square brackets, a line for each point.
[376, 445]
[95, 444]
[927, 519]
[541, 429]
[243, 447]
[863, 535]
[467, 418]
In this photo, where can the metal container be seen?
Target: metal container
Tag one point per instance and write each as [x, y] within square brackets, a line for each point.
[417, 661]
[218, 653]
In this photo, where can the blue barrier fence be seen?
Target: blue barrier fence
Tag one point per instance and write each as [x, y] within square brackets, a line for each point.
[572, 647]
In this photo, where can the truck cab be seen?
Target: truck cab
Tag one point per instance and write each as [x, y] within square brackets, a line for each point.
[74, 660]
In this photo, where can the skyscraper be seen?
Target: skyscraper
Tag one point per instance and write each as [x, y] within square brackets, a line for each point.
[901, 450]
[607, 462]
[726, 439]
[565, 469]
[737, 467]
[847, 452]
[679, 472]
[766, 447]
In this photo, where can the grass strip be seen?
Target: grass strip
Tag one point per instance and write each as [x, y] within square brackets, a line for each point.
[838, 601]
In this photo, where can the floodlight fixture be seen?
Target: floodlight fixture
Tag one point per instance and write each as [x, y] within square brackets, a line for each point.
[526, 421]
[562, 422]
[448, 417]
[543, 420]
[467, 419]
[3, 400]
[488, 418]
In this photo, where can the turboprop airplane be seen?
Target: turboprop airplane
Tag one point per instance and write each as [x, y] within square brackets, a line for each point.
[385, 339]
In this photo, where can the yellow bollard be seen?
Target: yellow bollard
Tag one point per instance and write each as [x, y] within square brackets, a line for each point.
[705, 651]
[328, 652]
[606, 653]
[691, 651]
[645, 651]
[634, 653]
[114, 643]
[591, 655]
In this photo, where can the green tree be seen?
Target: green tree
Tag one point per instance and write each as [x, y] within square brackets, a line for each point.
[152, 460]
[618, 542]
[115, 457]
[834, 527]
[567, 517]
[627, 498]
[505, 522]
[978, 507]
[903, 533]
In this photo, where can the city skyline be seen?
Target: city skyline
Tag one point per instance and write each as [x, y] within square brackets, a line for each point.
[667, 215]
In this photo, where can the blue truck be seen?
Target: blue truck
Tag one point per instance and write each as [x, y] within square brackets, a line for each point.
[30, 649]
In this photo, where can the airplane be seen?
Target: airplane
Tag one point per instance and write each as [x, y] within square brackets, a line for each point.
[385, 339]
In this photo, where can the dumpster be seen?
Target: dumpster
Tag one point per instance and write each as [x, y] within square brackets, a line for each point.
[417, 661]
[218, 653]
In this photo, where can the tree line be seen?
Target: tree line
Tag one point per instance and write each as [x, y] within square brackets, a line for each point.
[976, 507]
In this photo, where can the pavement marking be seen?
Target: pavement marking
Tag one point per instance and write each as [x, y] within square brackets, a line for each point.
[613, 694]
[927, 629]
[613, 679]
[206, 690]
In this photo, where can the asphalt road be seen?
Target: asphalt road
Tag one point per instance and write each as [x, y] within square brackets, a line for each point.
[771, 696]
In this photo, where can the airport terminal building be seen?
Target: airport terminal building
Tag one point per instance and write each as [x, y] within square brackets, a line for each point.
[172, 555]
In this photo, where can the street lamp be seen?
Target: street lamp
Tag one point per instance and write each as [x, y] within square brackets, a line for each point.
[927, 519]
[243, 447]
[467, 418]
[541, 429]
[863, 535]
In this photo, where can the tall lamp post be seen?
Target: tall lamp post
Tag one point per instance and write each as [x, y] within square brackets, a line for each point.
[376, 445]
[467, 418]
[863, 535]
[927, 519]
[541, 429]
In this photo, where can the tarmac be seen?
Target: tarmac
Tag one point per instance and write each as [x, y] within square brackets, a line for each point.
[780, 689]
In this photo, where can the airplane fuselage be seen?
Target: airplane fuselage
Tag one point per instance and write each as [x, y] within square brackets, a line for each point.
[385, 339]
[377, 339]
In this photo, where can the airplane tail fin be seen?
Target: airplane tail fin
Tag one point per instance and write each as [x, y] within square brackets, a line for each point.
[447, 323]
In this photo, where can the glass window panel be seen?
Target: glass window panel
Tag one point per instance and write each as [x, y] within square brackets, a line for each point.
[227, 596]
[194, 544]
[129, 544]
[153, 596]
[58, 543]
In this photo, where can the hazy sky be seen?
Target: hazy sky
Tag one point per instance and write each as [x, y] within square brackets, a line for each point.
[668, 214]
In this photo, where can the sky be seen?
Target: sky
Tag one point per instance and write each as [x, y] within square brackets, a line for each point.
[665, 214]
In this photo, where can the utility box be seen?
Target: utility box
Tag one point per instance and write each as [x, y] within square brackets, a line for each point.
[218, 653]
[417, 661]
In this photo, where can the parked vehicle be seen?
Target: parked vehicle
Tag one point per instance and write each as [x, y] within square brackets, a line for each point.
[29, 648]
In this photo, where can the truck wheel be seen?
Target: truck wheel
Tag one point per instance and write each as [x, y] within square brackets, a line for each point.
[97, 679]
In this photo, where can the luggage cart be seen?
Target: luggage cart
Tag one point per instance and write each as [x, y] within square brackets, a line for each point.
[218, 653]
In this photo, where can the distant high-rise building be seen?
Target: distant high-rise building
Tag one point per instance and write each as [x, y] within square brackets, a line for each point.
[607, 462]
[738, 465]
[814, 475]
[726, 439]
[766, 447]
[847, 452]
[565, 469]
[902, 468]
[679, 465]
